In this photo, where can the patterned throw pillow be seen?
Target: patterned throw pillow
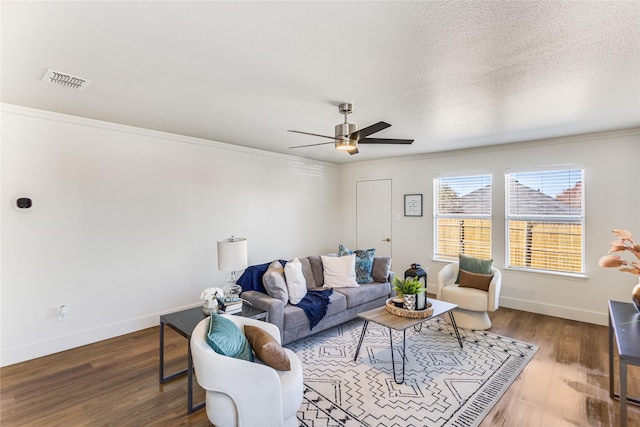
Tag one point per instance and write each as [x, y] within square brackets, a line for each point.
[364, 262]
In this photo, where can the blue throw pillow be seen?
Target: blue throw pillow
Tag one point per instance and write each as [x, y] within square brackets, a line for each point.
[473, 265]
[227, 339]
[364, 262]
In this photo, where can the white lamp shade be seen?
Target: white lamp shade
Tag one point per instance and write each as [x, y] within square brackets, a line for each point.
[232, 254]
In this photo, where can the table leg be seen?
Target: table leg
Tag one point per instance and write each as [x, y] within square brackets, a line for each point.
[455, 327]
[190, 408]
[161, 371]
[623, 393]
[364, 330]
[164, 379]
[393, 363]
[612, 392]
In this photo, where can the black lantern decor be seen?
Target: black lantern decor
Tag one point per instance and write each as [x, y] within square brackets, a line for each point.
[417, 271]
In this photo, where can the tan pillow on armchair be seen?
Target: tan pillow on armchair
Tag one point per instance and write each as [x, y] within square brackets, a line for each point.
[475, 280]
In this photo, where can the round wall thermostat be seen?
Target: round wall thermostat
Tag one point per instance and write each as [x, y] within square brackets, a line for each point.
[22, 203]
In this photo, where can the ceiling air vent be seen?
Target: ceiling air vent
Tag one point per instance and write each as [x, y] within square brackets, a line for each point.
[66, 80]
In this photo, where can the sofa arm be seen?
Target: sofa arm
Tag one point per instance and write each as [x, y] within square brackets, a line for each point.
[274, 307]
[392, 275]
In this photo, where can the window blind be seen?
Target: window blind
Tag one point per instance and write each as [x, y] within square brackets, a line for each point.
[462, 216]
[545, 220]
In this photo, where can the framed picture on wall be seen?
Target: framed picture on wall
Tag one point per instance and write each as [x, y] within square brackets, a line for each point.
[413, 205]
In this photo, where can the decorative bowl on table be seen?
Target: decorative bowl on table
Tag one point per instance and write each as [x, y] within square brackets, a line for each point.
[415, 314]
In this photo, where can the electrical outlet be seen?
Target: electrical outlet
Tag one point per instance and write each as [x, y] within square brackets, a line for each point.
[63, 312]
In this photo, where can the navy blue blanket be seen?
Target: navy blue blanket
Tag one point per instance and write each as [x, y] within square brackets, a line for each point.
[315, 305]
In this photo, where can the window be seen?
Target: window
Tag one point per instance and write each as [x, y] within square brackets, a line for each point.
[545, 220]
[462, 216]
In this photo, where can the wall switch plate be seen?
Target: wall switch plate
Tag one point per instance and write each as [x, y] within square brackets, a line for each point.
[63, 312]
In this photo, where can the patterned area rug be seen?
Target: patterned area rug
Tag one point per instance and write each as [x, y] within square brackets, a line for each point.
[444, 385]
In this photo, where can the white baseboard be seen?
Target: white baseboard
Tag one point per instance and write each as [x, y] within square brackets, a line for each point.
[597, 318]
[563, 312]
[57, 344]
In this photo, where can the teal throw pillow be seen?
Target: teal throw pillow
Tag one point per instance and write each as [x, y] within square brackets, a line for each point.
[364, 262]
[227, 339]
[474, 265]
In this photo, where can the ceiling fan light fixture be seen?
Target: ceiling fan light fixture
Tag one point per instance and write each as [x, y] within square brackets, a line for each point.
[342, 142]
[346, 144]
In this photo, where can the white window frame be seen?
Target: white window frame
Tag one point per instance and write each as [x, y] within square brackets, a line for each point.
[545, 218]
[436, 216]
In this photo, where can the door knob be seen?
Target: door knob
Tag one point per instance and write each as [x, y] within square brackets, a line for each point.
[388, 239]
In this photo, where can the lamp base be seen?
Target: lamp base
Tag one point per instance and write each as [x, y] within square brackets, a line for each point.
[231, 292]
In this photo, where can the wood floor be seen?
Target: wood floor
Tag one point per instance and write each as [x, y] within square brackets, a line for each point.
[115, 382]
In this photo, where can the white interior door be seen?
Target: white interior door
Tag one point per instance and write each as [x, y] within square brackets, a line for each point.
[373, 216]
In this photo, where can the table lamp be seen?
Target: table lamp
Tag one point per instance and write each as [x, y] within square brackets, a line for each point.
[232, 256]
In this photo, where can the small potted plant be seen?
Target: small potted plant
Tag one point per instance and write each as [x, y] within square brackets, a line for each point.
[408, 288]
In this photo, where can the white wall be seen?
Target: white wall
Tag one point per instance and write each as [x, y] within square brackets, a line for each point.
[125, 223]
[612, 195]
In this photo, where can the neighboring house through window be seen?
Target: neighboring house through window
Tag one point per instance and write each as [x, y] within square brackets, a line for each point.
[545, 220]
[462, 216]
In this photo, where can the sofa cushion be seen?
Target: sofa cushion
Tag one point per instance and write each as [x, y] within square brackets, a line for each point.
[267, 348]
[296, 285]
[381, 269]
[364, 293]
[275, 283]
[316, 268]
[474, 265]
[339, 272]
[364, 262]
[307, 272]
[225, 338]
[295, 316]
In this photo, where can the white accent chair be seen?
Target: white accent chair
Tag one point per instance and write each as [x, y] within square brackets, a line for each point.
[245, 394]
[473, 304]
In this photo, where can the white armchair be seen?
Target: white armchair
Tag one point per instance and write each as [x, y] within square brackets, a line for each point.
[473, 304]
[242, 393]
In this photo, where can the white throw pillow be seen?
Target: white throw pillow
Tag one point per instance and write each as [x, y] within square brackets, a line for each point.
[339, 272]
[296, 284]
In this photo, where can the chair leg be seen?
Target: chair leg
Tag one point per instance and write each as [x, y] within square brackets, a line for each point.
[467, 319]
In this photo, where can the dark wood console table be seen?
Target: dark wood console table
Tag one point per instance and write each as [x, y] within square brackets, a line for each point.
[184, 322]
[624, 322]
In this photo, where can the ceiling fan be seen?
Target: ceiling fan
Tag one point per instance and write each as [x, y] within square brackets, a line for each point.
[347, 137]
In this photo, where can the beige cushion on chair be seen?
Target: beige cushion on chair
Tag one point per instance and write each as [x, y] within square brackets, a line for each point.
[467, 298]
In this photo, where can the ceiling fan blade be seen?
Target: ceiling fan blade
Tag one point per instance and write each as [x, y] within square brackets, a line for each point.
[365, 132]
[313, 145]
[354, 151]
[312, 134]
[385, 141]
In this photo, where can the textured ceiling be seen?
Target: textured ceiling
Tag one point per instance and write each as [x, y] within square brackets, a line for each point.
[448, 74]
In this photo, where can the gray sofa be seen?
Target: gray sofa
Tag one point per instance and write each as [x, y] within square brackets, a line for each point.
[345, 303]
